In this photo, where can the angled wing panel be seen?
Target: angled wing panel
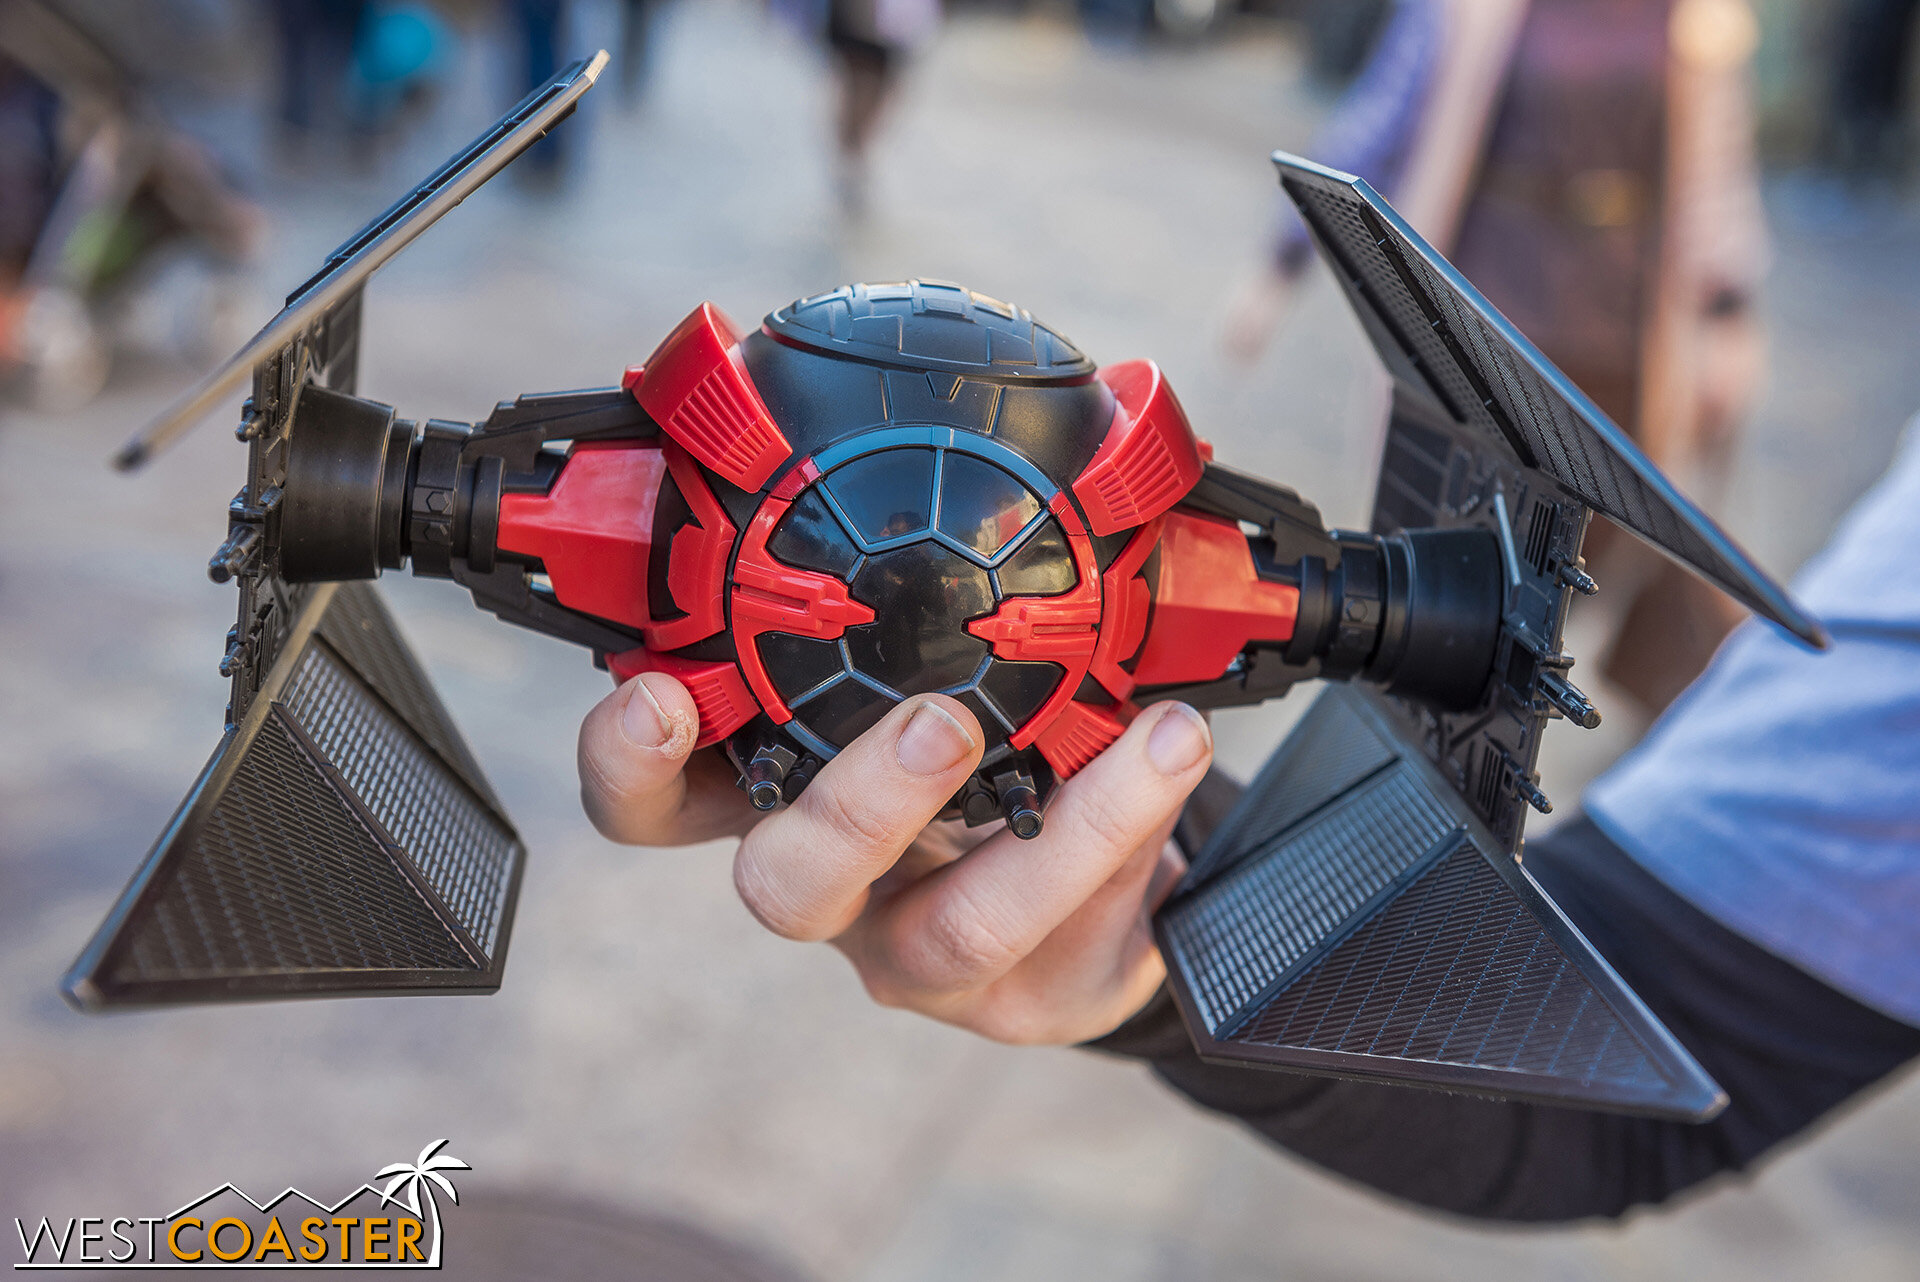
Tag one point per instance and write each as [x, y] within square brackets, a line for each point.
[1376, 929]
[334, 845]
[347, 268]
[1444, 342]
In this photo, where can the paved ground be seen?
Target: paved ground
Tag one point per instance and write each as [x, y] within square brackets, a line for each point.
[652, 1049]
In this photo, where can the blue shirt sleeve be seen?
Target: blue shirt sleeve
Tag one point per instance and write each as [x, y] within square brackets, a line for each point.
[1781, 793]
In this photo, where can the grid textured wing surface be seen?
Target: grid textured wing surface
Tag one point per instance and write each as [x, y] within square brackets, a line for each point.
[334, 845]
[1370, 926]
[1254, 925]
[363, 633]
[1442, 338]
[283, 877]
[1455, 970]
[1328, 752]
[463, 851]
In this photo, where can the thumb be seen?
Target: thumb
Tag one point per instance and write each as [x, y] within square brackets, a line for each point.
[633, 749]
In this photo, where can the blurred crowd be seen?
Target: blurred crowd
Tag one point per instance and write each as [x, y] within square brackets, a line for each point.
[105, 188]
[1591, 164]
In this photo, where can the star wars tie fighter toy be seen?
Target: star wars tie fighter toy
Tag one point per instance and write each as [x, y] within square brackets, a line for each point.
[892, 489]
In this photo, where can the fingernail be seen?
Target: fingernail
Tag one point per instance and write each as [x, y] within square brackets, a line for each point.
[932, 741]
[645, 721]
[1179, 739]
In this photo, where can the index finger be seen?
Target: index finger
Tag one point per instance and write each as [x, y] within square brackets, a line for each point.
[806, 872]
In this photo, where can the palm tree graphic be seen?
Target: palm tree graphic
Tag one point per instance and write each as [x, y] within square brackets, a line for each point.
[412, 1179]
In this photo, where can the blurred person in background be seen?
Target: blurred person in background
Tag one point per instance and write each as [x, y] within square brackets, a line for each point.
[28, 157]
[1119, 23]
[362, 67]
[1752, 870]
[635, 68]
[540, 26]
[1339, 34]
[400, 56]
[1589, 165]
[117, 228]
[1872, 86]
[869, 42]
[317, 43]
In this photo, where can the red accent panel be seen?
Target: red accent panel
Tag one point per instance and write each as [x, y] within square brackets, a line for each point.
[697, 560]
[1150, 458]
[1209, 604]
[719, 693]
[798, 478]
[593, 530]
[1079, 734]
[771, 596]
[1128, 601]
[1057, 629]
[1060, 629]
[696, 387]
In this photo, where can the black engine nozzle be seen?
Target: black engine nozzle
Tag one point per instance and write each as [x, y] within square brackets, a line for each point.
[1416, 613]
[1441, 629]
[344, 511]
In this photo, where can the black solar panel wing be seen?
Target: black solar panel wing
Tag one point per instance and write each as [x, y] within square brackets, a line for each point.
[1444, 343]
[342, 840]
[1365, 911]
[1354, 917]
[338, 283]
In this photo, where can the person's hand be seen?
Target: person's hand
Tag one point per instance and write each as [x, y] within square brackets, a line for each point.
[1254, 314]
[1022, 941]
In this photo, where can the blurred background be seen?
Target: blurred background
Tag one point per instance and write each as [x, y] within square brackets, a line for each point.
[708, 1101]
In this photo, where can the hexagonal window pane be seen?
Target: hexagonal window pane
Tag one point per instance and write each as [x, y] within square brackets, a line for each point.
[982, 506]
[811, 537]
[1043, 565]
[844, 712]
[887, 494]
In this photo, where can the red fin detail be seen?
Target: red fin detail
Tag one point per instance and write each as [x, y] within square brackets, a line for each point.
[1128, 601]
[771, 596]
[696, 560]
[696, 387]
[1079, 734]
[1208, 603]
[593, 531]
[1150, 458]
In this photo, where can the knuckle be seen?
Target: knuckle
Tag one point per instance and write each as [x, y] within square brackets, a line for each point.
[626, 810]
[847, 814]
[1106, 815]
[954, 947]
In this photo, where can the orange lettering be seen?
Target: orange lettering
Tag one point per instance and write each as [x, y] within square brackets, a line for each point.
[310, 1229]
[407, 1240]
[274, 1239]
[173, 1239]
[345, 1225]
[246, 1238]
[369, 1238]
